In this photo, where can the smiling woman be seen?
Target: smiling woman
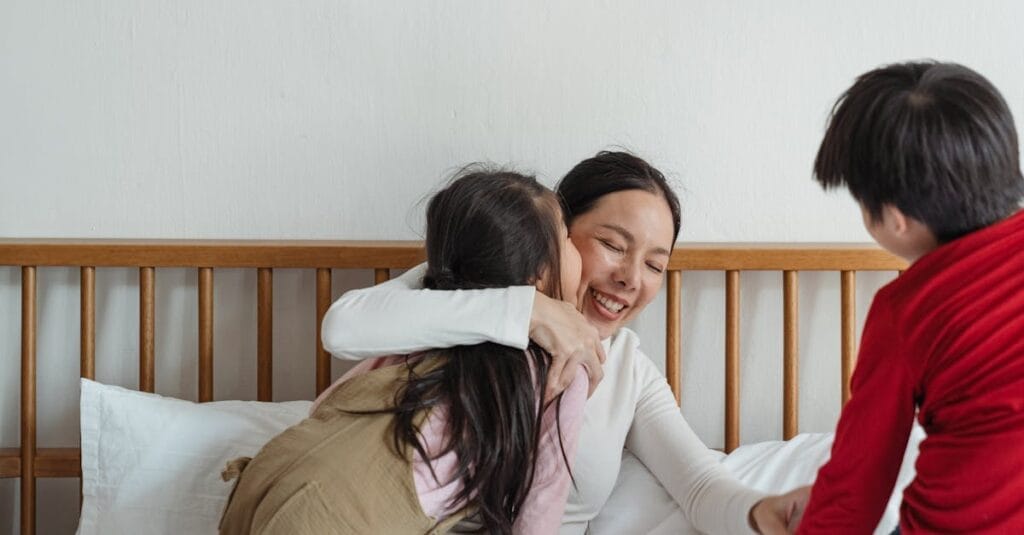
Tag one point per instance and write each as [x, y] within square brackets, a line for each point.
[623, 219]
[625, 240]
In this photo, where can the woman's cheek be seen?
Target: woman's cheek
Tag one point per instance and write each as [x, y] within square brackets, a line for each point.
[608, 257]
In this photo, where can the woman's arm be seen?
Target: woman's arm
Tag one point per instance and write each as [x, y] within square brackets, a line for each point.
[709, 496]
[399, 317]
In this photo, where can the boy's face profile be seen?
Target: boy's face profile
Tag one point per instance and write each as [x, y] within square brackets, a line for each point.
[899, 233]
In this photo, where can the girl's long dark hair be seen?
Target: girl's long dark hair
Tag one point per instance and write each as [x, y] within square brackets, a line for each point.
[487, 229]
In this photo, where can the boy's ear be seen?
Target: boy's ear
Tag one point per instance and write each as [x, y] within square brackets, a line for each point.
[895, 219]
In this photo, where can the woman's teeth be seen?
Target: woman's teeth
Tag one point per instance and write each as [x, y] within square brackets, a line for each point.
[608, 304]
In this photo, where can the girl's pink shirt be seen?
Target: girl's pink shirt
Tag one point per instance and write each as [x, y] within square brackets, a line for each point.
[545, 504]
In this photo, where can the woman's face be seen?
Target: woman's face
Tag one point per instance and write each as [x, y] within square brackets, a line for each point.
[624, 242]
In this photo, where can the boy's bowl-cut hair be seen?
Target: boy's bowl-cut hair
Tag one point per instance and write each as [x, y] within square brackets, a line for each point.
[936, 140]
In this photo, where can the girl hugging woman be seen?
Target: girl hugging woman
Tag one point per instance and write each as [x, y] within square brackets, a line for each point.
[423, 442]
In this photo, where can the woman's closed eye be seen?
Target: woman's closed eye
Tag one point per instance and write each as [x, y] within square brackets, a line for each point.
[656, 268]
[610, 246]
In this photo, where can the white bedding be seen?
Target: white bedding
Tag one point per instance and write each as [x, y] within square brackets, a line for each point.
[151, 464]
[639, 504]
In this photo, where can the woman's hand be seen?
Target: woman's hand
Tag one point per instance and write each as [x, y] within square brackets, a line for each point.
[570, 339]
[780, 514]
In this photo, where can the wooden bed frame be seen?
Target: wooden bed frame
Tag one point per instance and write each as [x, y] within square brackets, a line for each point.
[30, 462]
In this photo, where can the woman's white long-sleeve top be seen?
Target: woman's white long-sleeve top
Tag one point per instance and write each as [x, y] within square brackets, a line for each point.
[632, 408]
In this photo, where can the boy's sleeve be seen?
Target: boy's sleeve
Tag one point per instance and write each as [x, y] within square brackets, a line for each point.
[854, 486]
[400, 317]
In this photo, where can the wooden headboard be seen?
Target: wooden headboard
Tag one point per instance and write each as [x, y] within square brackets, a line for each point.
[30, 461]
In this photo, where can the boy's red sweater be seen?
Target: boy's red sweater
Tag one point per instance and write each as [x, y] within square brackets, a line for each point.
[945, 338]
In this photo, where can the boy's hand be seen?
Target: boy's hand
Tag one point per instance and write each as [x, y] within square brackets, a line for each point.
[570, 339]
[780, 514]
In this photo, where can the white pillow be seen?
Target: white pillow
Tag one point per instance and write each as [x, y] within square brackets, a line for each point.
[151, 464]
[639, 504]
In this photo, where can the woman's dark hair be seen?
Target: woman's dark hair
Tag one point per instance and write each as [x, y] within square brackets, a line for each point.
[936, 140]
[610, 172]
[487, 229]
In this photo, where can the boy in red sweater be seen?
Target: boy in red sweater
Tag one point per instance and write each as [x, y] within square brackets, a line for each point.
[929, 150]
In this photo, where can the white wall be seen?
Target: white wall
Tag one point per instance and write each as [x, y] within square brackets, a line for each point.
[257, 119]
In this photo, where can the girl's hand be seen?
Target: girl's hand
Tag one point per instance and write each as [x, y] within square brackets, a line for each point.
[780, 514]
[572, 341]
